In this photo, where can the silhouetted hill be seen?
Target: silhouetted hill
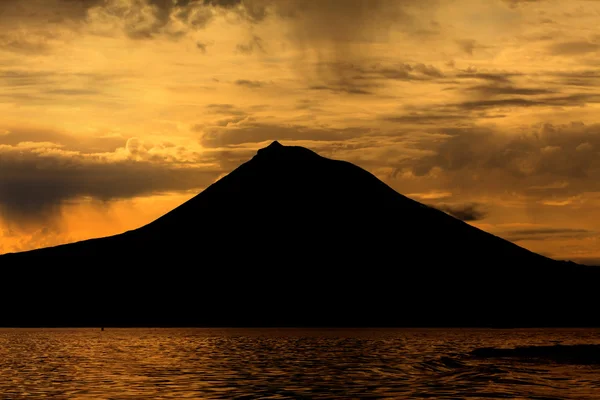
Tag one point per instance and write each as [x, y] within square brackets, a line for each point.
[291, 238]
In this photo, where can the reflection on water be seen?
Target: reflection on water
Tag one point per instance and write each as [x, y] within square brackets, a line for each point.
[285, 363]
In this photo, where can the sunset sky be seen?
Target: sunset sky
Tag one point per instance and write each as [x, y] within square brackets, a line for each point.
[113, 112]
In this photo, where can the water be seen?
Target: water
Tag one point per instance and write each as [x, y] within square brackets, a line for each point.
[285, 363]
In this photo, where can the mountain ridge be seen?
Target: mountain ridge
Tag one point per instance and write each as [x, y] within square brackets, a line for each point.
[275, 150]
[323, 238]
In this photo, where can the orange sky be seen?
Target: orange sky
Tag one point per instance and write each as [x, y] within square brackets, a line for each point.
[113, 112]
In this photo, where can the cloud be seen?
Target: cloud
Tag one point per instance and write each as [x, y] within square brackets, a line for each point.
[546, 233]
[36, 26]
[255, 44]
[400, 71]
[499, 90]
[37, 178]
[44, 11]
[366, 78]
[551, 186]
[343, 87]
[571, 100]
[585, 78]
[201, 46]
[225, 109]
[484, 94]
[340, 21]
[331, 28]
[328, 33]
[249, 131]
[25, 43]
[536, 162]
[88, 144]
[331, 34]
[499, 77]
[220, 115]
[573, 48]
[328, 22]
[464, 212]
[146, 19]
[517, 3]
[222, 3]
[249, 84]
[433, 195]
[44, 86]
[425, 117]
[139, 19]
[591, 261]
[469, 45]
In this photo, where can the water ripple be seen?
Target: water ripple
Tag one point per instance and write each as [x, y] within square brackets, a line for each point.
[285, 363]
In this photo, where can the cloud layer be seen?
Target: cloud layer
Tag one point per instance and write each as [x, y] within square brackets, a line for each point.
[38, 178]
[486, 109]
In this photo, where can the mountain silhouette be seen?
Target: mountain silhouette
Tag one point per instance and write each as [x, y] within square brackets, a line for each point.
[291, 238]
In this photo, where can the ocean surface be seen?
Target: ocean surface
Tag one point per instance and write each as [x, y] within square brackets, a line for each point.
[286, 363]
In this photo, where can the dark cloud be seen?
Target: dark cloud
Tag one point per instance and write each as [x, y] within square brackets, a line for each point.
[464, 212]
[45, 11]
[19, 78]
[333, 33]
[585, 78]
[52, 86]
[506, 90]
[82, 144]
[225, 109]
[249, 131]
[222, 3]
[25, 44]
[573, 48]
[572, 100]
[309, 105]
[402, 71]
[255, 44]
[499, 77]
[313, 23]
[592, 261]
[142, 19]
[37, 178]
[201, 46]
[357, 78]
[550, 187]
[331, 30]
[338, 21]
[12, 137]
[36, 26]
[537, 158]
[469, 45]
[249, 83]
[73, 92]
[492, 99]
[343, 87]
[517, 3]
[425, 117]
[141, 22]
[331, 21]
[498, 90]
[546, 233]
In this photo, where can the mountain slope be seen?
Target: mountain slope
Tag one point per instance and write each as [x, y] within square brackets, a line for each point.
[293, 238]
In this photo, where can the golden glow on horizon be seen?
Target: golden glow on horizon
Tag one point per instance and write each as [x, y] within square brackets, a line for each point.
[487, 109]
